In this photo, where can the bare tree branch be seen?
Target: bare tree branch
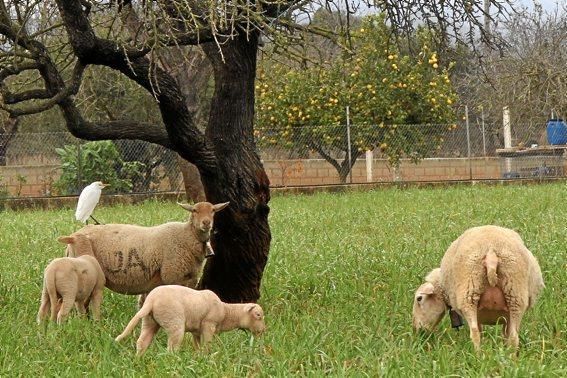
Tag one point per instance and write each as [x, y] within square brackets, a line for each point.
[17, 69]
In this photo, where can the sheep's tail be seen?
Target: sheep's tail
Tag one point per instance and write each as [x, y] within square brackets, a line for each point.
[491, 262]
[144, 311]
[51, 289]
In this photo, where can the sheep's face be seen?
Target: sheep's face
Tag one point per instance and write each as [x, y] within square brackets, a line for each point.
[428, 308]
[202, 214]
[256, 322]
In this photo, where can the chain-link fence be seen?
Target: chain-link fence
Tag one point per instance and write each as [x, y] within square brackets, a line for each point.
[322, 155]
[44, 164]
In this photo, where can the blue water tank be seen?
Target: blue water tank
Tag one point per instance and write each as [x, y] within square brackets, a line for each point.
[556, 132]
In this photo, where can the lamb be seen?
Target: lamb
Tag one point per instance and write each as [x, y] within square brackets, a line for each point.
[488, 276]
[136, 259]
[179, 309]
[69, 280]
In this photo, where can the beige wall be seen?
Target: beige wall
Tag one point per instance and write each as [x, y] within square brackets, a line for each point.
[28, 181]
[319, 172]
[39, 179]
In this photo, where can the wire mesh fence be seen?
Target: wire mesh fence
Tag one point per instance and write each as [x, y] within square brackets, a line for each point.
[44, 164]
[384, 153]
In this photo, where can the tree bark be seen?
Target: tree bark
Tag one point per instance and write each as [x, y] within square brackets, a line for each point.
[191, 181]
[242, 237]
[7, 132]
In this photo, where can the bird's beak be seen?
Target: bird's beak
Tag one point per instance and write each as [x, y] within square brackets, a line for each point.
[105, 185]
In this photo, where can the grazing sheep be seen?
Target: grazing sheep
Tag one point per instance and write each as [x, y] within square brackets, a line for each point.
[68, 281]
[179, 309]
[136, 259]
[488, 276]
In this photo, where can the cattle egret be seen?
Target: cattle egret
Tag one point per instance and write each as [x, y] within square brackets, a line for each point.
[88, 200]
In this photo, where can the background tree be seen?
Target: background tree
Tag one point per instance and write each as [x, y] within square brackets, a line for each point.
[225, 152]
[528, 74]
[303, 107]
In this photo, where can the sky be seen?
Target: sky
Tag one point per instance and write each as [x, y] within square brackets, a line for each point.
[548, 5]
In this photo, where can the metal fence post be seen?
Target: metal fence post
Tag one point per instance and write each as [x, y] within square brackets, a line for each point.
[507, 139]
[483, 132]
[348, 142]
[468, 141]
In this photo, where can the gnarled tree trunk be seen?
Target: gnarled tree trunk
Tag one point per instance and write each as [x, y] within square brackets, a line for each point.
[7, 132]
[242, 236]
[191, 181]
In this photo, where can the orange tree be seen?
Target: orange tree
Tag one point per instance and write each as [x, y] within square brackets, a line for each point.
[398, 103]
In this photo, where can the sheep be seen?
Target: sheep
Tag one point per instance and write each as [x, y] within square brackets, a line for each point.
[487, 276]
[179, 309]
[136, 259]
[68, 280]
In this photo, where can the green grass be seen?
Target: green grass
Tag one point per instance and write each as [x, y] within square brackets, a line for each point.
[337, 291]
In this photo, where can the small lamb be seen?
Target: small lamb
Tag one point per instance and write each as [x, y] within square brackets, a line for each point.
[488, 276]
[179, 309]
[68, 281]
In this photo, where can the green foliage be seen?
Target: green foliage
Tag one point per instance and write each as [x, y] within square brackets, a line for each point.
[381, 87]
[337, 294]
[95, 161]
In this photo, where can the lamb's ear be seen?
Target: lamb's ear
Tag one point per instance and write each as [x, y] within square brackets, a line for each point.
[220, 206]
[424, 291]
[186, 206]
[66, 239]
[251, 307]
[427, 289]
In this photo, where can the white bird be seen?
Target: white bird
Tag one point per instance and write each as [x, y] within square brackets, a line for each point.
[88, 200]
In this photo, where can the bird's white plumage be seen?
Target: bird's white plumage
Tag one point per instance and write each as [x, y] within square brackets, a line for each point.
[88, 200]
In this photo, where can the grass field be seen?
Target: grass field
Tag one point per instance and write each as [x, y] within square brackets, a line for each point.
[337, 291]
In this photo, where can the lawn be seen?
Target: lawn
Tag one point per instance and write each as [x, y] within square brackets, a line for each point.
[337, 291]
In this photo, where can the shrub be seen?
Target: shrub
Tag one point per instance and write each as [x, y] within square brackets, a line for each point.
[95, 161]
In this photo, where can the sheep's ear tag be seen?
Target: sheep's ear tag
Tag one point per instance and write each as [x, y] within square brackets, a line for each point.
[456, 320]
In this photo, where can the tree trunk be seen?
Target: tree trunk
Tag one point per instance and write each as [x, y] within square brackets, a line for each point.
[242, 234]
[191, 181]
[192, 72]
[7, 132]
